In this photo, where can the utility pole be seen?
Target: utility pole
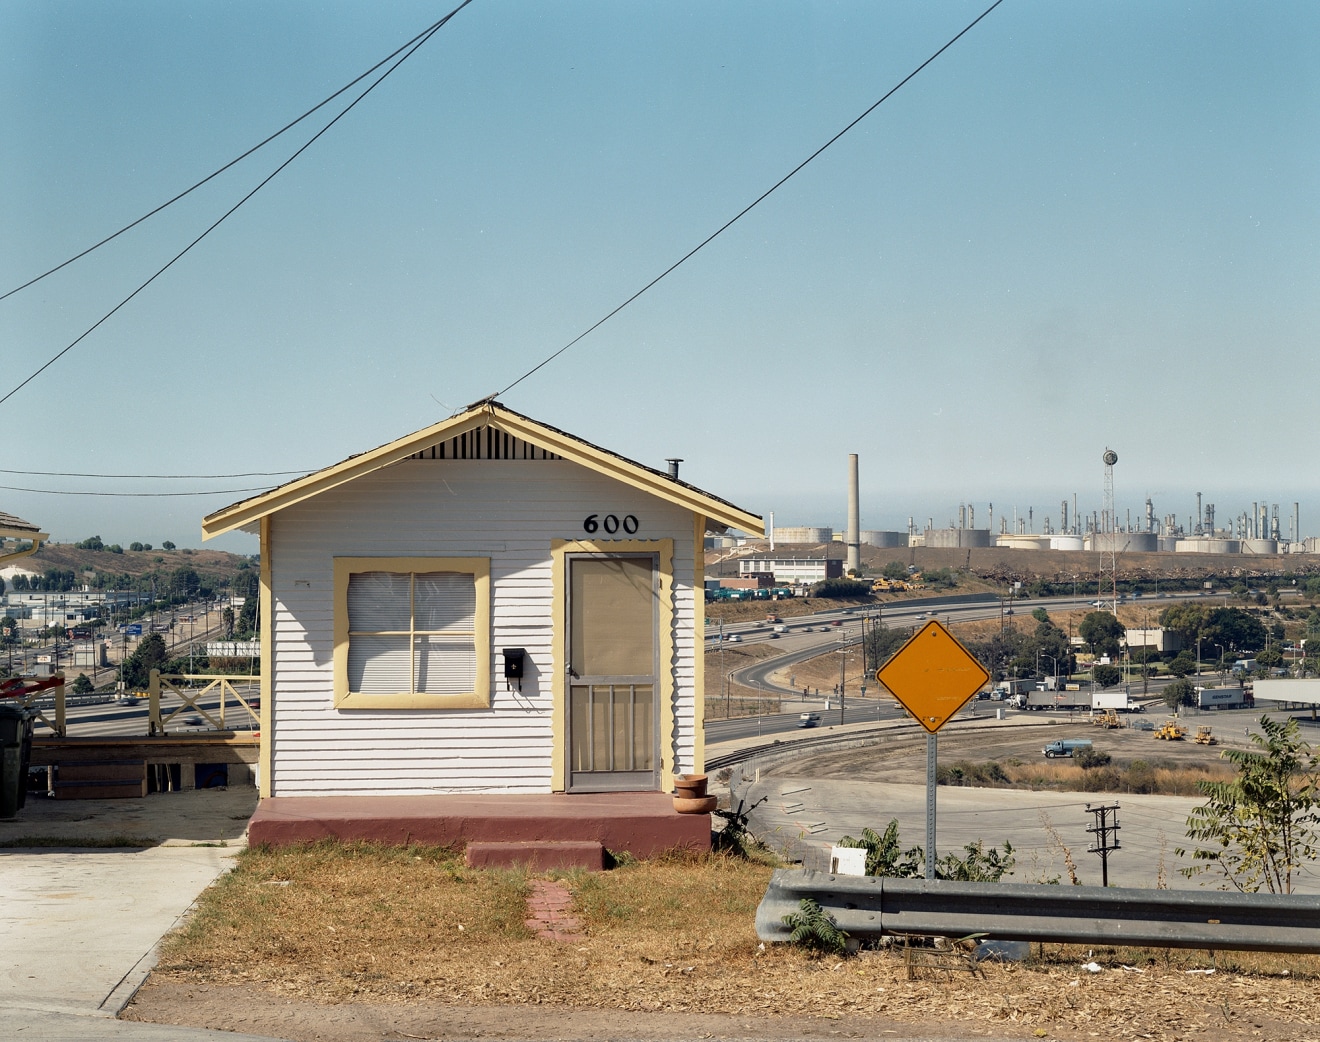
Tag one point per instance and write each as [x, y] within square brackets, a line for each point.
[1103, 829]
[843, 661]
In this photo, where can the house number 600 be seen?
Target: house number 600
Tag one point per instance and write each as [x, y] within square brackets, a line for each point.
[610, 523]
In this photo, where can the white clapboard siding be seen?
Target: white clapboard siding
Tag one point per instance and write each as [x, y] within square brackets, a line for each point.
[507, 510]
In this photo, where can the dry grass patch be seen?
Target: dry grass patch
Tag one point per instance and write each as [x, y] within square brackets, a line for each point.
[336, 919]
[331, 922]
[1138, 776]
[359, 923]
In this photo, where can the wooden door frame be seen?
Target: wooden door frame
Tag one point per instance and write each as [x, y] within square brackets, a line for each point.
[663, 551]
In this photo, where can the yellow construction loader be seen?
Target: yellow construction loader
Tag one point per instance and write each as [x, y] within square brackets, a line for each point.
[1205, 736]
[1106, 718]
[1171, 731]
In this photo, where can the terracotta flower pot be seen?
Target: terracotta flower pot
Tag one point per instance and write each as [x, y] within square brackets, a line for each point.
[704, 805]
[690, 786]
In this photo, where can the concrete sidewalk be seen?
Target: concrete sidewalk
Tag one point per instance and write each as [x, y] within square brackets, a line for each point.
[80, 926]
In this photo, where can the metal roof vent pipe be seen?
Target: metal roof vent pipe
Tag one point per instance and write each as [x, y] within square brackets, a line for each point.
[673, 468]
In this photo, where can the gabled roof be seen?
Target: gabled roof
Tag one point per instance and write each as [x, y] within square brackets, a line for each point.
[12, 527]
[501, 419]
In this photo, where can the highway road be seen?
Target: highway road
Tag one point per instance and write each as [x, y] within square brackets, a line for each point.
[120, 719]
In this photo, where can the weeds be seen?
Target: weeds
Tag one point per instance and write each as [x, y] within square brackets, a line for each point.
[736, 836]
[1056, 842]
[883, 858]
[816, 929]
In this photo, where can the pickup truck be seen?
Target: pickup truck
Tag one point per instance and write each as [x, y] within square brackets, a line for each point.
[1066, 747]
[809, 720]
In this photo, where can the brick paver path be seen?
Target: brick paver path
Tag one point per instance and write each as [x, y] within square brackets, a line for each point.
[548, 903]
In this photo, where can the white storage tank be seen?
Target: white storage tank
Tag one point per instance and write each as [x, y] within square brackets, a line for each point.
[1066, 542]
[802, 534]
[1024, 542]
[1206, 545]
[1260, 546]
[885, 540]
[1123, 542]
[957, 537]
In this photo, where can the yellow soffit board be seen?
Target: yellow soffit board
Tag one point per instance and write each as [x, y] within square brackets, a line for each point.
[248, 511]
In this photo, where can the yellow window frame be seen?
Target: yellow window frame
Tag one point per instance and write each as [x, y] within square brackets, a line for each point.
[478, 568]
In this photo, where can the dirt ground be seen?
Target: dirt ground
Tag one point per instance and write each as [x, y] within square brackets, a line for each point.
[246, 1008]
[216, 816]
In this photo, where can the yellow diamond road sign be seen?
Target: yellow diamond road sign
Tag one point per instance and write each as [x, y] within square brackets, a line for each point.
[933, 676]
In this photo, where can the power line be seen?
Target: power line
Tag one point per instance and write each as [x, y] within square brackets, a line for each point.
[747, 209]
[234, 162]
[409, 52]
[133, 495]
[159, 477]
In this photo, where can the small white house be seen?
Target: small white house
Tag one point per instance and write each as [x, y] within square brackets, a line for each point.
[489, 605]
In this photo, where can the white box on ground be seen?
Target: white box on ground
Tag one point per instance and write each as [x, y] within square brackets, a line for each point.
[848, 861]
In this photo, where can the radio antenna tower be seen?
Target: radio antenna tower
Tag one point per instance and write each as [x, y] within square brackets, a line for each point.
[1108, 540]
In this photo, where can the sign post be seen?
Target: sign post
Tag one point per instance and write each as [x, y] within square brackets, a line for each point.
[932, 676]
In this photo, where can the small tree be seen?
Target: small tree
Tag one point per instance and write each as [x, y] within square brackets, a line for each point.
[83, 686]
[150, 654]
[1107, 676]
[1102, 632]
[1259, 828]
[1182, 664]
[1180, 693]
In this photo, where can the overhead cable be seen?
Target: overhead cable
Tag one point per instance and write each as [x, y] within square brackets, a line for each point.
[747, 209]
[132, 495]
[235, 161]
[159, 477]
[262, 184]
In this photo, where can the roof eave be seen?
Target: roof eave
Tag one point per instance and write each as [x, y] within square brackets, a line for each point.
[251, 510]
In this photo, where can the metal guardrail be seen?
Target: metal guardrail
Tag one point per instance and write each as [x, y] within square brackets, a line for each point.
[873, 906]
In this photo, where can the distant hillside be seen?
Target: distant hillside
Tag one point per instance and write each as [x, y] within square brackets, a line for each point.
[104, 568]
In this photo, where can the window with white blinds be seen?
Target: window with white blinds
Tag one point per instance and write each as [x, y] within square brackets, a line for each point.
[417, 635]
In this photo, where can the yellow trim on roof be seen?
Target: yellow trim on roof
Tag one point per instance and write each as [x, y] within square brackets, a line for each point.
[249, 511]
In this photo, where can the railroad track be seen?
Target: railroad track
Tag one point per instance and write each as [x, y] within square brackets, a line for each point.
[901, 729]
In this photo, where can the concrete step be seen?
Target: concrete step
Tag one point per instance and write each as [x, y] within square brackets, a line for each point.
[536, 854]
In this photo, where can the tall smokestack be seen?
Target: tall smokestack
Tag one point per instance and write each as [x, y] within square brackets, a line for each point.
[854, 537]
[771, 530]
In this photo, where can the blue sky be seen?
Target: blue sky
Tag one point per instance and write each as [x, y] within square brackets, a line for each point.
[1083, 225]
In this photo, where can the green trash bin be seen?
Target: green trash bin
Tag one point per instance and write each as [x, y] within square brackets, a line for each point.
[15, 756]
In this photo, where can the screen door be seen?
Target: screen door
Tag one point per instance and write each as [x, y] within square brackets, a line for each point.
[612, 707]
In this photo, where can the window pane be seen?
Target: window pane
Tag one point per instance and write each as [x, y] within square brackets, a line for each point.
[445, 601]
[445, 666]
[379, 665]
[378, 601]
[612, 626]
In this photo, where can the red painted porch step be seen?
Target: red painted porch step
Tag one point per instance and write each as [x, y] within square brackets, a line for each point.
[536, 855]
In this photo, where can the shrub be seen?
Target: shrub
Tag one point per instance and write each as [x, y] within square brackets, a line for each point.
[1089, 758]
[841, 588]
